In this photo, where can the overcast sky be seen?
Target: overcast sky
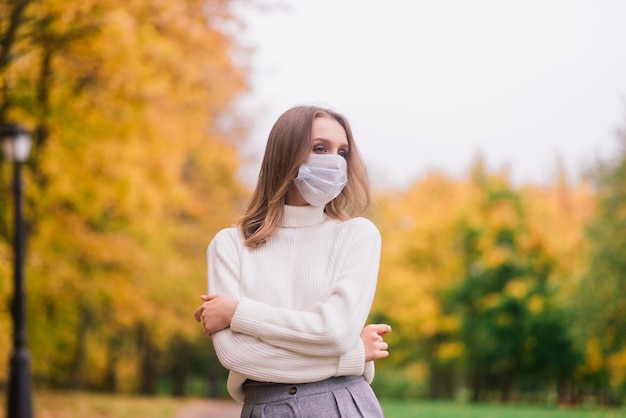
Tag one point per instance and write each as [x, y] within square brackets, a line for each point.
[427, 85]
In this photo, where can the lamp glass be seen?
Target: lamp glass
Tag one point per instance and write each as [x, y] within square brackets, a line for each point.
[21, 147]
[16, 147]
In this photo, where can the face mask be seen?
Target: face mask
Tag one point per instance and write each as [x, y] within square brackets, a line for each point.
[321, 178]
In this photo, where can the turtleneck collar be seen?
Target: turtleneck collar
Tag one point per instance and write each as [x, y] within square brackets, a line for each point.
[301, 216]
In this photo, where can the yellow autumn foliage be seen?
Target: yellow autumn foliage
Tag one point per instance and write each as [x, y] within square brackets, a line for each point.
[422, 259]
[136, 172]
[617, 365]
[517, 288]
[134, 175]
[450, 350]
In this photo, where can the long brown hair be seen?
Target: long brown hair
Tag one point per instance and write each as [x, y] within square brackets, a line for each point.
[288, 146]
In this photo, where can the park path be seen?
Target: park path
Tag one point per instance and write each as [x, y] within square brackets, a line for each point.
[210, 409]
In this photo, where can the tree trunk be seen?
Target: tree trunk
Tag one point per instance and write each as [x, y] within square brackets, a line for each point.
[148, 373]
[213, 377]
[477, 379]
[180, 368]
[113, 356]
[77, 367]
[506, 386]
[441, 382]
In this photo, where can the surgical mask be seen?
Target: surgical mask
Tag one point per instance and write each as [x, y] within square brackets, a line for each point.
[321, 178]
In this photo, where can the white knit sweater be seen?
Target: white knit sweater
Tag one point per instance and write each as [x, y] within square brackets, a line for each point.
[304, 297]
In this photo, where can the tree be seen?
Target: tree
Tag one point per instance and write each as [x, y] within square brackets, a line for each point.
[602, 289]
[417, 261]
[475, 270]
[135, 169]
[511, 328]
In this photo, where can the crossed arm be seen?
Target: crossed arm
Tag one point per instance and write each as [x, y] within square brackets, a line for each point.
[217, 311]
[325, 338]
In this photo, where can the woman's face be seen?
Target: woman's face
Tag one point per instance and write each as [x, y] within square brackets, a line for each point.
[327, 137]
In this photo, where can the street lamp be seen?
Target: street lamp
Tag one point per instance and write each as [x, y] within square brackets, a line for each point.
[16, 142]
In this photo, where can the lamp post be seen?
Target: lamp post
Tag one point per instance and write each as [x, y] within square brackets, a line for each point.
[16, 142]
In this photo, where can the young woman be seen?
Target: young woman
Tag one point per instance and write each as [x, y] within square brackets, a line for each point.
[292, 285]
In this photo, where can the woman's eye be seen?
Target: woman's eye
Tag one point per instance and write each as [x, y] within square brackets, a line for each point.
[319, 149]
[343, 153]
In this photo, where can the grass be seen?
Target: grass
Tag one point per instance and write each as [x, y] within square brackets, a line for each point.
[90, 405]
[400, 409]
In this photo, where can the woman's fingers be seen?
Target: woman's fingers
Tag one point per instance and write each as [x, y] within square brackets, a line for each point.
[375, 346]
[382, 329]
[198, 313]
[216, 312]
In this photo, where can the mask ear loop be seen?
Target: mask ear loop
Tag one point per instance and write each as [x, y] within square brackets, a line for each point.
[298, 171]
[298, 168]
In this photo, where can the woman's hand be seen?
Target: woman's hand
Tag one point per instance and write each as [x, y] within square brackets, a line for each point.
[372, 336]
[216, 313]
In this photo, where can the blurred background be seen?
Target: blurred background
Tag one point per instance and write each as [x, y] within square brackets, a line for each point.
[494, 135]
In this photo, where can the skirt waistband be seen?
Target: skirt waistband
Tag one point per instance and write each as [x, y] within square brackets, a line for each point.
[262, 392]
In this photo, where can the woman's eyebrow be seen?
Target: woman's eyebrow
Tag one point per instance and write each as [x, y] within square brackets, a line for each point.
[328, 141]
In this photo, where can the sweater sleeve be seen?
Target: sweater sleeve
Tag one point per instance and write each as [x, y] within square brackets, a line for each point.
[265, 363]
[333, 326]
[261, 360]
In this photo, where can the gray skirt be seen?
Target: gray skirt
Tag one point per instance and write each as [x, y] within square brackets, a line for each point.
[340, 397]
